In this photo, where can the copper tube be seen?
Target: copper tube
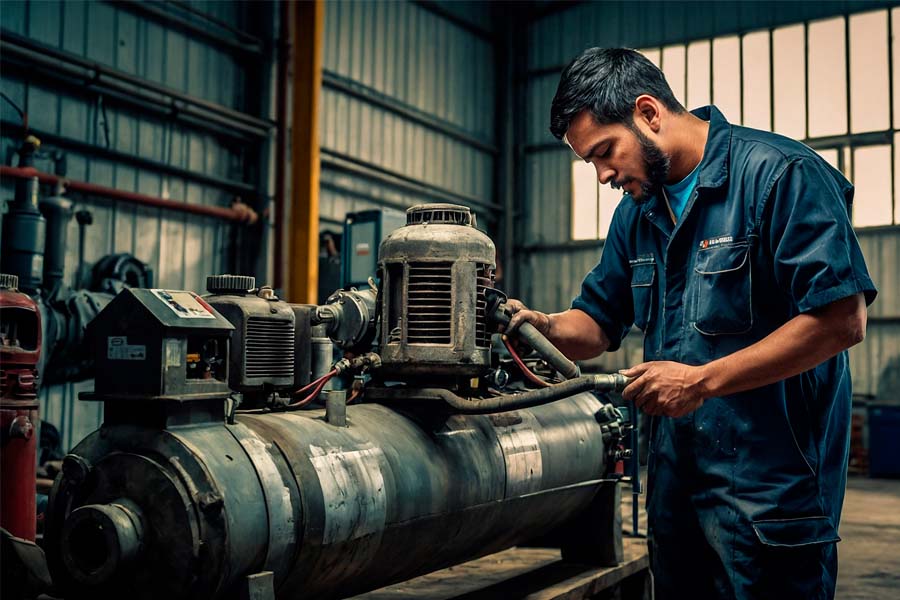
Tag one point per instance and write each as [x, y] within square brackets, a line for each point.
[238, 212]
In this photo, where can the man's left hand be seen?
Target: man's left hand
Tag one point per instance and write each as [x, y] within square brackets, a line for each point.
[665, 388]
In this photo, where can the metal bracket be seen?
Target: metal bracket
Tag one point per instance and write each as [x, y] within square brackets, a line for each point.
[259, 586]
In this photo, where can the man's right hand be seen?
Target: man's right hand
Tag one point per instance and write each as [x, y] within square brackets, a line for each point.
[522, 314]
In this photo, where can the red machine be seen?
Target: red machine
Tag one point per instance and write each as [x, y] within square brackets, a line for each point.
[20, 350]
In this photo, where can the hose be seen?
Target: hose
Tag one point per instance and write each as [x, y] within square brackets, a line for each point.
[494, 404]
[528, 373]
[534, 338]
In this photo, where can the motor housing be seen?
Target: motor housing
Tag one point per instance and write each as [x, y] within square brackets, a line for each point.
[434, 272]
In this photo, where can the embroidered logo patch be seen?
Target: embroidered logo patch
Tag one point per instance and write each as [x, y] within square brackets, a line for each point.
[722, 239]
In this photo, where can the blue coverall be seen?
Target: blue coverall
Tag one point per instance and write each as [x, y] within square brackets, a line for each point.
[744, 494]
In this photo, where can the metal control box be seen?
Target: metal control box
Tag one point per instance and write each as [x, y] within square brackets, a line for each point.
[156, 344]
[363, 233]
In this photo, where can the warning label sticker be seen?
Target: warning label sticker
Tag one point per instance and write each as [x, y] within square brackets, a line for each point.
[183, 304]
[118, 348]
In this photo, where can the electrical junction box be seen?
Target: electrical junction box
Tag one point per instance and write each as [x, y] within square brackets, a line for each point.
[363, 233]
[154, 344]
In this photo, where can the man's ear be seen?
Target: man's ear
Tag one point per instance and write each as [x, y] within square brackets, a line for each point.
[647, 109]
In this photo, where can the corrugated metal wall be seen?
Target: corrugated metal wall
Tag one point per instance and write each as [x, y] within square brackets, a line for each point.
[408, 107]
[107, 144]
[553, 267]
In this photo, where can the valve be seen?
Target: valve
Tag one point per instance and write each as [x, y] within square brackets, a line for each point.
[349, 316]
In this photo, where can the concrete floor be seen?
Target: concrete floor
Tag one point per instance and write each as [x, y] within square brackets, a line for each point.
[869, 553]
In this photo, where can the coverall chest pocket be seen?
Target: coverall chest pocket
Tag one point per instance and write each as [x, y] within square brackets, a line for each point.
[643, 278]
[722, 281]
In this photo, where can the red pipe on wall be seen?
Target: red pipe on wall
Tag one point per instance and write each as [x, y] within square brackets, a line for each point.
[239, 211]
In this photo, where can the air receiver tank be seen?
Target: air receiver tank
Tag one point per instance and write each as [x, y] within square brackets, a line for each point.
[434, 272]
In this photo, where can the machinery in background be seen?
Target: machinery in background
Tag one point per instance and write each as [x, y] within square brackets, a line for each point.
[35, 237]
[20, 351]
[363, 233]
[182, 493]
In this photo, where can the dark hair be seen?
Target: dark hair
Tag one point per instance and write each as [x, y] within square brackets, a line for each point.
[607, 81]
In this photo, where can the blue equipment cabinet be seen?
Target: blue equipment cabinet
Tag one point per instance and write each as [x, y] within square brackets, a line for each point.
[884, 440]
[363, 232]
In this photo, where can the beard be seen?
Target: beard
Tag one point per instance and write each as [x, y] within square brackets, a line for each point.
[656, 167]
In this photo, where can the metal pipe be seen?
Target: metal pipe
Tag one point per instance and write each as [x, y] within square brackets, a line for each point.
[613, 382]
[83, 79]
[369, 95]
[228, 214]
[249, 38]
[354, 166]
[152, 10]
[15, 43]
[437, 9]
[245, 190]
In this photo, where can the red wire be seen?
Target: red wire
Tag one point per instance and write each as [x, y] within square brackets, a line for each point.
[525, 370]
[311, 397]
[356, 393]
[316, 386]
[314, 383]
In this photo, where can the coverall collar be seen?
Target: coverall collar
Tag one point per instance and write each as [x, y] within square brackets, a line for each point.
[713, 170]
[714, 166]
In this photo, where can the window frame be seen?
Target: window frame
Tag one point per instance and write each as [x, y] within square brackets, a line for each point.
[846, 143]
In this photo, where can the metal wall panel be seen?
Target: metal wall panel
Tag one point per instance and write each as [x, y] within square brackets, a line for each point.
[421, 61]
[869, 360]
[181, 249]
[551, 277]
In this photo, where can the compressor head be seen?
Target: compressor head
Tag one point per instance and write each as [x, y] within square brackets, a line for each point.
[435, 271]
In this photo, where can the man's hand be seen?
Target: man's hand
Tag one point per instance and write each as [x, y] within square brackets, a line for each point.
[665, 388]
[522, 314]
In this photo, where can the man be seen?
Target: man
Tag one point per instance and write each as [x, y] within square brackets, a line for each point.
[733, 251]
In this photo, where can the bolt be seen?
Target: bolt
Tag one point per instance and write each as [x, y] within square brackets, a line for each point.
[211, 503]
[75, 469]
[21, 428]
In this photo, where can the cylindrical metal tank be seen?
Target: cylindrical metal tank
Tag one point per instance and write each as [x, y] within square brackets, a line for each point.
[57, 211]
[24, 235]
[189, 510]
[20, 350]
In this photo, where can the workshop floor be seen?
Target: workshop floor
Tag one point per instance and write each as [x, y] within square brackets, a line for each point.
[869, 553]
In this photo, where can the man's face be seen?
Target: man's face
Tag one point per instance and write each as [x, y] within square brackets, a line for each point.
[623, 156]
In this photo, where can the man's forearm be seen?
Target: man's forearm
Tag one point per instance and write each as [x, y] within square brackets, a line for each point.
[577, 335]
[800, 344]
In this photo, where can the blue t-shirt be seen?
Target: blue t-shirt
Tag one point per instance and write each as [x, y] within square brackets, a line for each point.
[679, 193]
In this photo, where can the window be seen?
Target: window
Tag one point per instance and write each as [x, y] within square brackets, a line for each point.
[585, 202]
[698, 74]
[869, 79]
[833, 84]
[827, 74]
[727, 77]
[673, 59]
[755, 79]
[593, 204]
[788, 62]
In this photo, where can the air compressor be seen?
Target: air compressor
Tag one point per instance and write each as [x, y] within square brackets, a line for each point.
[215, 474]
